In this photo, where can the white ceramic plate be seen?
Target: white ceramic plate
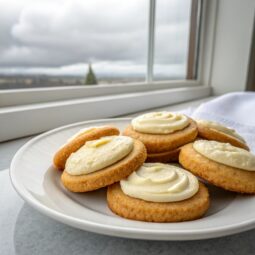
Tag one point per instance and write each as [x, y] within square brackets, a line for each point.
[36, 181]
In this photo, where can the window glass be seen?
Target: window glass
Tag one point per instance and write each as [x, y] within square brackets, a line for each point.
[72, 42]
[47, 43]
[171, 39]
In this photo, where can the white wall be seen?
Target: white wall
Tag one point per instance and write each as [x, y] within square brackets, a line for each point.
[233, 35]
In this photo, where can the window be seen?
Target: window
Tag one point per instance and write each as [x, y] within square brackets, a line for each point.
[171, 39]
[57, 43]
[49, 44]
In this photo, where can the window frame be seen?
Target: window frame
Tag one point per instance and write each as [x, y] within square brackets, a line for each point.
[14, 97]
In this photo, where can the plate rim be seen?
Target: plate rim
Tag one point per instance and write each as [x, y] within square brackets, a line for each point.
[110, 230]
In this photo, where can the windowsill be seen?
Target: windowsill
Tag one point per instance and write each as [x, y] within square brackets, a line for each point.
[24, 120]
[52, 94]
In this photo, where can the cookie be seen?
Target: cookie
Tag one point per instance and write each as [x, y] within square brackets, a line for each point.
[78, 141]
[218, 174]
[164, 157]
[138, 209]
[107, 175]
[159, 193]
[216, 135]
[157, 143]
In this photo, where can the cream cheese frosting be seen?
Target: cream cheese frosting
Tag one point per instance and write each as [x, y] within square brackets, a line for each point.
[98, 154]
[221, 128]
[226, 154]
[157, 182]
[160, 122]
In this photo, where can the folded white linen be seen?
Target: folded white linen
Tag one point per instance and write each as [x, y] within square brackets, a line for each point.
[236, 110]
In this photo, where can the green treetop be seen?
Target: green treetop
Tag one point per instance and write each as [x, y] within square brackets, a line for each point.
[90, 77]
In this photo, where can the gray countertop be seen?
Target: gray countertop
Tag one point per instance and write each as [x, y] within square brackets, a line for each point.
[23, 230]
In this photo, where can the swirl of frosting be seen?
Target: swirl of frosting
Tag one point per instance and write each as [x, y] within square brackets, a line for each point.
[98, 154]
[160, 122]
[158, 182]
[226, 154]
[219, 127]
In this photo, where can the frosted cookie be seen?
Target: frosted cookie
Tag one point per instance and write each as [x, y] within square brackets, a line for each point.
[159, 193]
[78, 140]
[221, 164]
[212, 130]
[102, 162]
[162, 132]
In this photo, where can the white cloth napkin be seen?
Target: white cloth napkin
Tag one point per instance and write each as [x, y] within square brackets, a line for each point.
[236, 110]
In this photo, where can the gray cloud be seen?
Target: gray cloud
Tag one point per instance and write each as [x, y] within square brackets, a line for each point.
[54, 34]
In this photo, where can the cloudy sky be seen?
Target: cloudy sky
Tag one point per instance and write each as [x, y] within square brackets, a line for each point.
[62, 36]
